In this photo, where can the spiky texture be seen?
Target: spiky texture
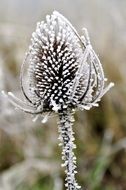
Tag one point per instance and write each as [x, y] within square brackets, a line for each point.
[66, 136]
[53, 62]
[63, 70]
[63, 73]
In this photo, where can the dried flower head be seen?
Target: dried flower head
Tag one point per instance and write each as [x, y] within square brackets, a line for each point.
[63, 73]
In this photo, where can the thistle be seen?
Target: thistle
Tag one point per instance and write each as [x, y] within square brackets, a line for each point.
[63, 73]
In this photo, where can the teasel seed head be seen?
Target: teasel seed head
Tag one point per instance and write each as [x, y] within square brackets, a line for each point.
[62, 69]
[61, 72]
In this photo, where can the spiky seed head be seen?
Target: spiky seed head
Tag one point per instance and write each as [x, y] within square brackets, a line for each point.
[54, 58]
[63, 69]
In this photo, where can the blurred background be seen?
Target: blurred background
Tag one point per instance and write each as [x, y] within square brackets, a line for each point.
[30, 157]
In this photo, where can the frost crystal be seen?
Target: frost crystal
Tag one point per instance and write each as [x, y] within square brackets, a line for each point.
[63, 73]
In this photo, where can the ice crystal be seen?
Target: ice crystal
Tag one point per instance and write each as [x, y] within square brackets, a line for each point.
[63, 73]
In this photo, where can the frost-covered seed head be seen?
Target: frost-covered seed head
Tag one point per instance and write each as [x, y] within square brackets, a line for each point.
[63, 71]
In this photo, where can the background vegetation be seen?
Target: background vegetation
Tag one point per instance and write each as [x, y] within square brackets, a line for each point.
[29, 152]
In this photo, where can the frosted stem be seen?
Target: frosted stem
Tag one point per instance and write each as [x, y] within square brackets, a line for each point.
[67, 142]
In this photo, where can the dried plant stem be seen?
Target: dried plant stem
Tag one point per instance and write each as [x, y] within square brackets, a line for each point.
[67, 142]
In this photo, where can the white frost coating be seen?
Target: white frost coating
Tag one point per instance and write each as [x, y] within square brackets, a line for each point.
[55, 106]
[35, 118]
[80, 70]
[19, 104]
[45, 119]
[67, 142]
[63, 74]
